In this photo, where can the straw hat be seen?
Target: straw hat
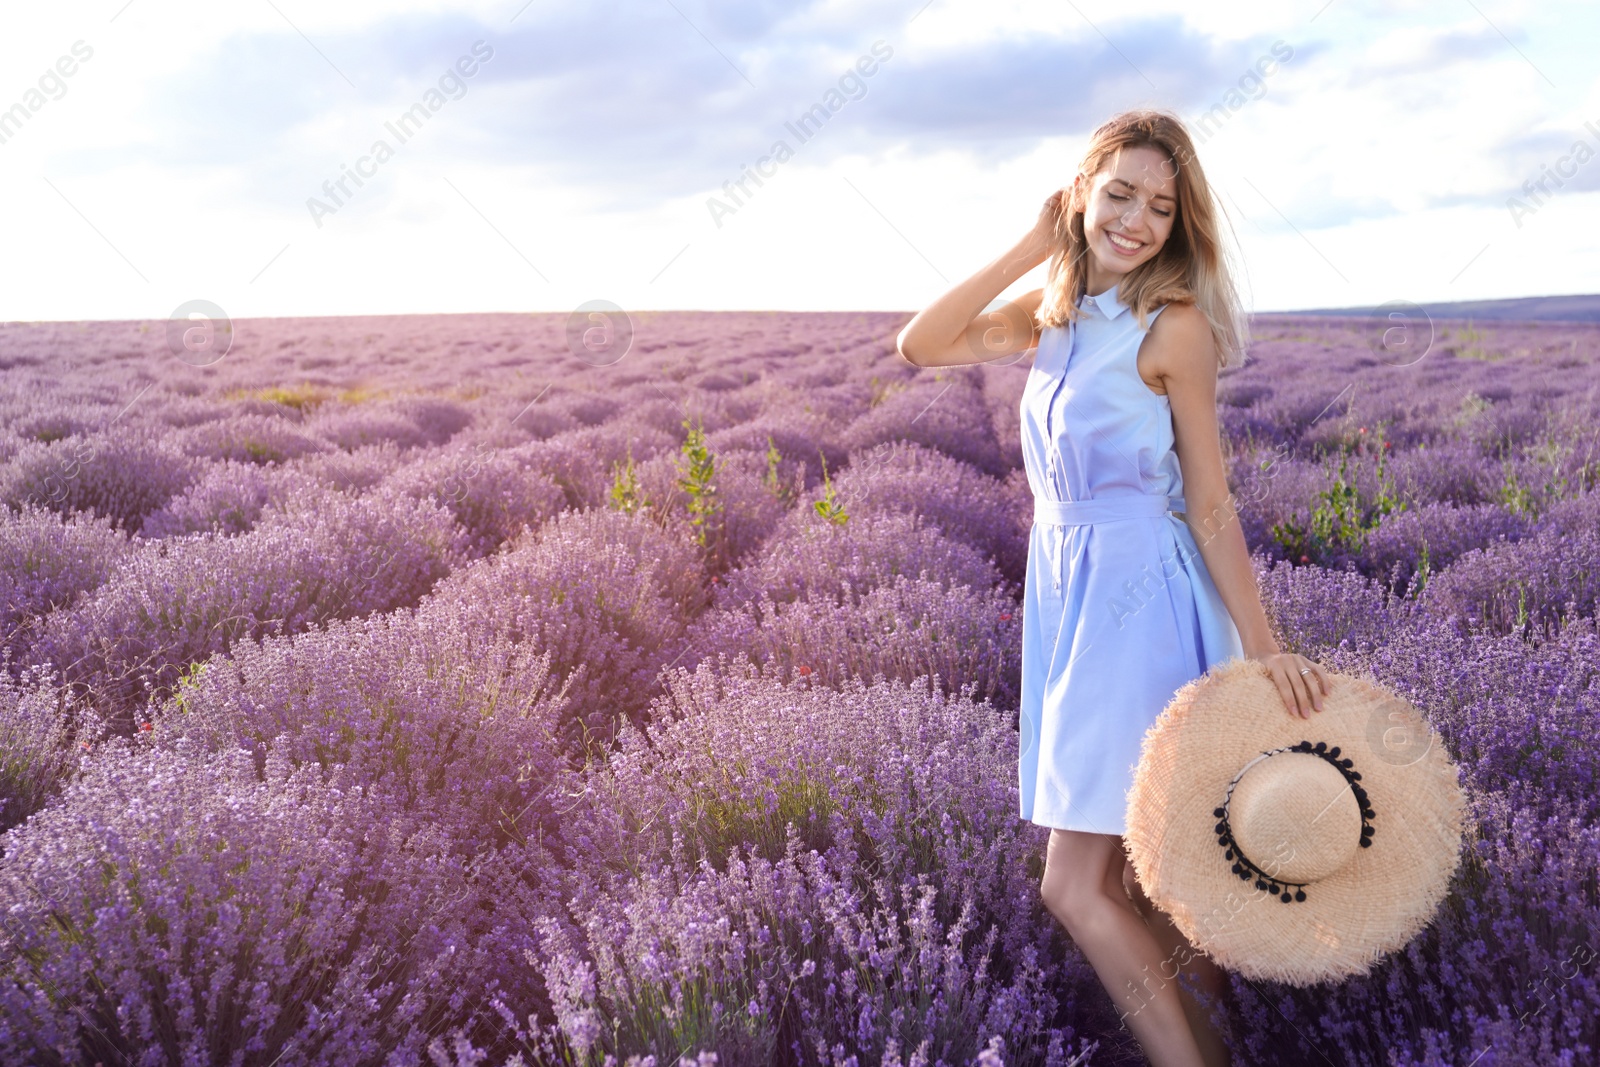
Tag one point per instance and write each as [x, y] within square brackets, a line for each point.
[1288, 849]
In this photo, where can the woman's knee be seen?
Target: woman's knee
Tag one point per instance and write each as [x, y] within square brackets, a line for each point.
[1074, 884]
[1069, 898]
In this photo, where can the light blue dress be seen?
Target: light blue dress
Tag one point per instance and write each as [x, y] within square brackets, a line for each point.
[1118, 609]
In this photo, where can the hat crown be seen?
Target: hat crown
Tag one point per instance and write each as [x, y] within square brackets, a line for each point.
[1295, 816]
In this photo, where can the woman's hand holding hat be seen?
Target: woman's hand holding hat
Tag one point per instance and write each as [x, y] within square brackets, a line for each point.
[1300, 681]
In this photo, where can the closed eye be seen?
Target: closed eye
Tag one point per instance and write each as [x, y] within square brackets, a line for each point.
[1119, 199]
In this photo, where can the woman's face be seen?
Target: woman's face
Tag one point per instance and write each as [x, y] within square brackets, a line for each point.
[1129, 211]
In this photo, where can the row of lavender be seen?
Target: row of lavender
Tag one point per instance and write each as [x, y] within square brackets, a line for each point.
[445, 615]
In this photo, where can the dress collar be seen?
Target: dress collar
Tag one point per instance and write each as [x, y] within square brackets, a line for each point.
[1107, 302]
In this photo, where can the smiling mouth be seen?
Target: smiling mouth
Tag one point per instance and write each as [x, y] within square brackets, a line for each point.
[1123, 243]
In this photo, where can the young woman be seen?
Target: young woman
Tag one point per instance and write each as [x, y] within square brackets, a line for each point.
[1125, 599]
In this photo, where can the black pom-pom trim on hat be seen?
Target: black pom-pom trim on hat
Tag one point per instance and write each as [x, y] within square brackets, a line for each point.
[1241, 864]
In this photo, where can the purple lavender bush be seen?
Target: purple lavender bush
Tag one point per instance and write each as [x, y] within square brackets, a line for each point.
[320, 555]
[354, 471]
[47, 561]
[809, 551]
[408, 422]
[801, 441]
[492, 494]
[227, 498]
[1412, 544]
[951, 418]
[235, 913]
[605, 593]
[42, 731]
[1273, 490]
[966, 504]
[911, 627]
[250, 439]
[1522, 586]
[582, 461]
[123, 473]
[461, 728]
[585, 407]
[51, 418]
[1570, 516]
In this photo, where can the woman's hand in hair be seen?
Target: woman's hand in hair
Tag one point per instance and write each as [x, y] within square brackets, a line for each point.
[1044, 237]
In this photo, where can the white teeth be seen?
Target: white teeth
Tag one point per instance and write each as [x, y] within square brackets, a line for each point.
[1121, 243]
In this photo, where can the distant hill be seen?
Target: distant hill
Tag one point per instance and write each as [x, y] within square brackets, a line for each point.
[1568, 308]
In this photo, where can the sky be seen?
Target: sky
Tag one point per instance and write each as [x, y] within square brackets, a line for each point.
[284, 157]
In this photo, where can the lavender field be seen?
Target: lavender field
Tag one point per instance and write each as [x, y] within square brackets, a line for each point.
[410, 691]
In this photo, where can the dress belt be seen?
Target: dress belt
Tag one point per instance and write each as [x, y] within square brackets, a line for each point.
[1097, 510]
[1104, 509]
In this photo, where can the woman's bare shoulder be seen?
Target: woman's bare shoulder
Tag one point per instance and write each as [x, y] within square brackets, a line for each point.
[1182, 342]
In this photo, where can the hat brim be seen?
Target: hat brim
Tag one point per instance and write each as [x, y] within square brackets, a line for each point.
[1372, 905]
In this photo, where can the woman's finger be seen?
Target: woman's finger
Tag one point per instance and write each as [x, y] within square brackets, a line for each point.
[1317, 684]
[1312, 700]
[1302, 692]
[1291, 699]
[1282, 687]
[1302, 688]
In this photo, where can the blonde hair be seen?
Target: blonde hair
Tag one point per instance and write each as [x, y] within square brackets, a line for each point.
[1192, 266]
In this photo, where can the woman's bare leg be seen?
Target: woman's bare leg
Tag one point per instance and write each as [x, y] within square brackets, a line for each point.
[1180, 955]
[1082, 888]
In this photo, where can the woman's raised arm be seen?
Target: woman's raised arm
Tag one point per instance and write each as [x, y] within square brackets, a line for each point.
[954, 330]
